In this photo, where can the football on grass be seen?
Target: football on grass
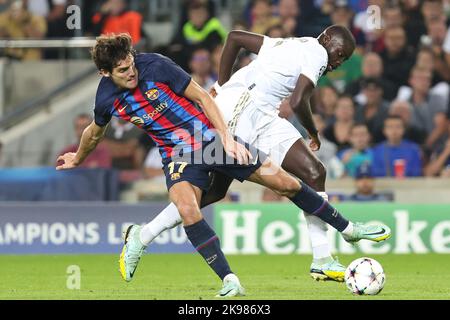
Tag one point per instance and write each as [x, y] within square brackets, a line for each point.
[365, 276]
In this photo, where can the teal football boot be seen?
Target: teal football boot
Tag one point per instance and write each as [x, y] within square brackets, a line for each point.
[131, 252]
[231, 287]
[328, 271]
[372, 232]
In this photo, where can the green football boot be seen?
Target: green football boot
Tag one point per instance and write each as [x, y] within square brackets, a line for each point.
[131, 252]
[328, 271]
[372, 232]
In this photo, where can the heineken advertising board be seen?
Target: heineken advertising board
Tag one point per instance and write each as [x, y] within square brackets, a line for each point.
[281, 228]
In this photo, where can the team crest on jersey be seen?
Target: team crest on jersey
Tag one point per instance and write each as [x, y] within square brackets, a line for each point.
[137, 121]
[175, 176]
[152, 94]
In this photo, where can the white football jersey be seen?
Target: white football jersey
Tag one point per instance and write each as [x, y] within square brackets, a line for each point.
[272, 76]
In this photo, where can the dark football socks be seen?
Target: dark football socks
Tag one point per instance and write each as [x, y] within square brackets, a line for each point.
[206, 242]
[311, 202]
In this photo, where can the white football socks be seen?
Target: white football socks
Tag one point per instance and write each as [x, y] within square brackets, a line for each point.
[348, 230]
[166, 219]
[317, 229]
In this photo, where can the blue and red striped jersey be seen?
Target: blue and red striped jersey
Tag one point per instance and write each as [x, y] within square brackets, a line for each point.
[156, 105]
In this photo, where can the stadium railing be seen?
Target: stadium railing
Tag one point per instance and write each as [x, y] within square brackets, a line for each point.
[22, 110]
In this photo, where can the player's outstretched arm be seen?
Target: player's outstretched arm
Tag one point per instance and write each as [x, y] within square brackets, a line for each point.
[89, 140]
[299, 102]
[235, 41]
[197, 94]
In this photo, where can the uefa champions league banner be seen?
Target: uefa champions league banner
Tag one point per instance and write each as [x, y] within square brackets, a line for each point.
[281, 228]
[63, 227]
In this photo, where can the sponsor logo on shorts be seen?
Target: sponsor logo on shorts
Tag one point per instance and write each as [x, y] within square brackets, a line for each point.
[152, 94]
[322, 69]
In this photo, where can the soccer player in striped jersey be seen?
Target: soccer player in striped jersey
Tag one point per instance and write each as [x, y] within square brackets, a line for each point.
[155, 94]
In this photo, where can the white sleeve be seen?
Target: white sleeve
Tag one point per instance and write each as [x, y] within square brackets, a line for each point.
[315, 63]
[446, 45]
[153, 159]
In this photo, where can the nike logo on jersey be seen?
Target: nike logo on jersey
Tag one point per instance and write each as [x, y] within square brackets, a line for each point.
[123, 108]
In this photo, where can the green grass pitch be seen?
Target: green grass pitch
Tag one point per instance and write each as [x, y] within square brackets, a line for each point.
[186, 276]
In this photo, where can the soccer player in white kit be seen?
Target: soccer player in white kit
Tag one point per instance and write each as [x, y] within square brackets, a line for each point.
[249, 100]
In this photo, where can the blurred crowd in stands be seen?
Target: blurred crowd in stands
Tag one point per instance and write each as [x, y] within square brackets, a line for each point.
[384, 112]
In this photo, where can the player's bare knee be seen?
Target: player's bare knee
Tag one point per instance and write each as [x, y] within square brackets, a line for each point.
[189, 212]
[317, 173]
[322, 170]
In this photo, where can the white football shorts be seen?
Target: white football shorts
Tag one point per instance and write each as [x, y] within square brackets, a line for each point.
[267, 132]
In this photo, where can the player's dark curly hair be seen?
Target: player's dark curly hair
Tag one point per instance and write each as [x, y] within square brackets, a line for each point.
[110, 49]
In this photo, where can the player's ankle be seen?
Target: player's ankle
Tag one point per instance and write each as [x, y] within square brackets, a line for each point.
[348, 231]
[231, 277]
[324, 260]
[144, 237]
